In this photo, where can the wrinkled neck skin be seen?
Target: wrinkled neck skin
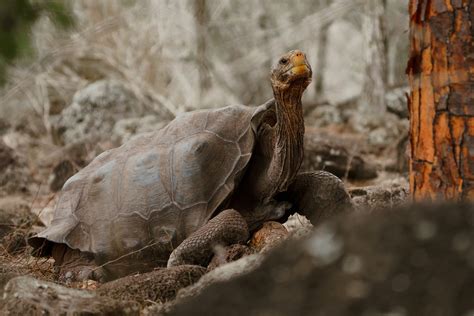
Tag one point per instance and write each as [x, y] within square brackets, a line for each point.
[289, 134]
[276, 159]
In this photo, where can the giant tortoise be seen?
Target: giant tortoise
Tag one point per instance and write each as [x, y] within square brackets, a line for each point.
[208, 177]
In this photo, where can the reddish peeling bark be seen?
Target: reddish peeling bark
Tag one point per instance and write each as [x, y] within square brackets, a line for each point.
[441, 103]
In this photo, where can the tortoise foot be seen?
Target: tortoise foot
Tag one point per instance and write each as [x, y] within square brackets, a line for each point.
[67, 275]
[227, 228]
[318, 195]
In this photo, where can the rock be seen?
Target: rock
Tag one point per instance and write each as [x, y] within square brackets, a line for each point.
[298, 225]
[95, 110]
[14, 173]
[384, 195]
[159, 286]
[330, 154]
[388, 132]
[270, 235]
[322, 115]
[412, 261]
[29, 296]
[125, 129]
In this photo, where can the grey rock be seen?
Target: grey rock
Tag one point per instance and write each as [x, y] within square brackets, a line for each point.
[96, 109]
[389, 132]
[385, 195]
[323, 115]
[323, 152]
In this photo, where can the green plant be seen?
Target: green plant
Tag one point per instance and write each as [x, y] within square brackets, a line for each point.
[16, 19]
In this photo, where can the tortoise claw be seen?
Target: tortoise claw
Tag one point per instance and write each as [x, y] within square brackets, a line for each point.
[82, 273]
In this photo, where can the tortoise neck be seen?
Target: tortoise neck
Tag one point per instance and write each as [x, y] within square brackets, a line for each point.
[290, 132]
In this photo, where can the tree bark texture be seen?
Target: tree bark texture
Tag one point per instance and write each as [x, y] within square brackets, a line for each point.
[321, 61]
[202, 21]
[441, 102]
[372, 102]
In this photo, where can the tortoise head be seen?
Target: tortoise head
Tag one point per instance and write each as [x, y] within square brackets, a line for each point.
[291, 69]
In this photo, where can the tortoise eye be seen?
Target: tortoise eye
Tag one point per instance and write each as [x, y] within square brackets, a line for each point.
[283, 61]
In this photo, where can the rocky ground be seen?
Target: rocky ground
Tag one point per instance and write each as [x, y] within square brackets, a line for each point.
[384, 258]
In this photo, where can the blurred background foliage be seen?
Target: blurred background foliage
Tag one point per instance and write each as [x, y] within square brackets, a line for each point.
[16, 20]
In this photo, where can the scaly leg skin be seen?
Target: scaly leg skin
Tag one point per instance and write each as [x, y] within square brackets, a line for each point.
[227, 228]
[318, 195]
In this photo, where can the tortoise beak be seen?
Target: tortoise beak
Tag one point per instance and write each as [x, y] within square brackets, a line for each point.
[300, 65]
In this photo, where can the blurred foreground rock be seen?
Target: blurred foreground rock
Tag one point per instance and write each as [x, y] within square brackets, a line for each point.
[223, 273]
[28, 296]
[158, 286]
[413, 261]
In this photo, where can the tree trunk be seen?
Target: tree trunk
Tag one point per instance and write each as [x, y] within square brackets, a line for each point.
[372, 101]
[441, 103]
[321, 61]
[202, 21]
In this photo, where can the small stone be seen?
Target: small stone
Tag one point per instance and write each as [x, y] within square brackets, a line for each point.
[267, 237]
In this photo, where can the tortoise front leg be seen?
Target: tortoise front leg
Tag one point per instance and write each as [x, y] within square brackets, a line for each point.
[227, 228]
[318, 195]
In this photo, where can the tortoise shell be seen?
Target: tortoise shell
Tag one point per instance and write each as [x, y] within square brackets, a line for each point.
[157, 189]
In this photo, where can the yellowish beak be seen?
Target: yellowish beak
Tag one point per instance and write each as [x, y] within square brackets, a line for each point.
[300, 70]
[299, 63]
